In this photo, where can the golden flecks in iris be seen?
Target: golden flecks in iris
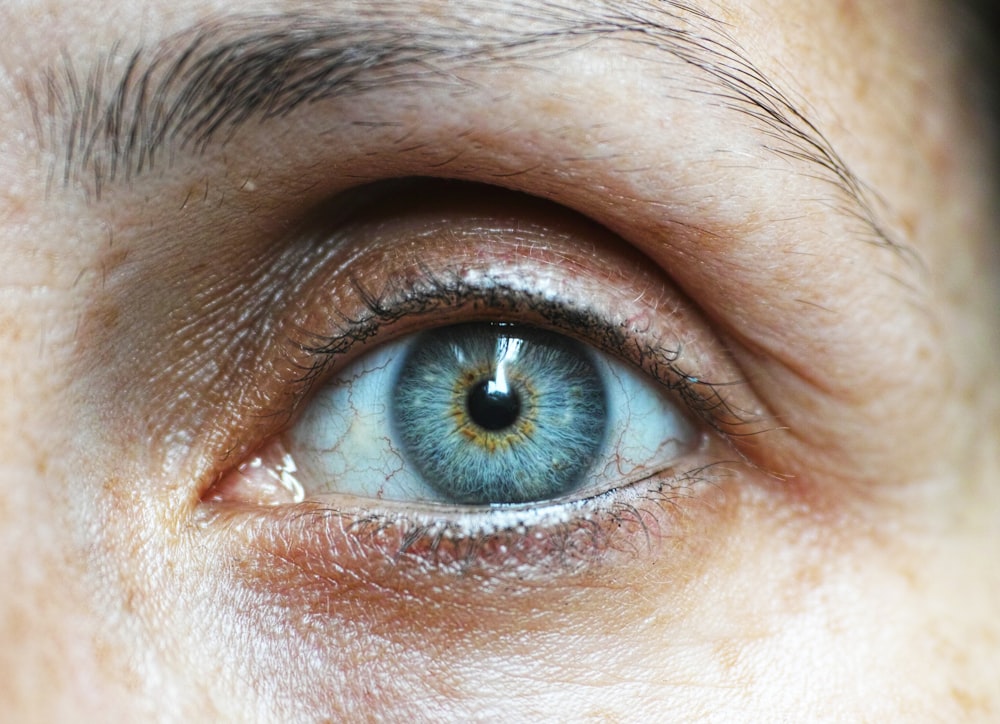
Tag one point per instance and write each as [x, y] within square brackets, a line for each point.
[493, 441]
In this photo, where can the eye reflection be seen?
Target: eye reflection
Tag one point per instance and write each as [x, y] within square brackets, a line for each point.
[485, 414]
[489, 415]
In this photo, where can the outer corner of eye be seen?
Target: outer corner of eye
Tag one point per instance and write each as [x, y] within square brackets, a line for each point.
[479, 415]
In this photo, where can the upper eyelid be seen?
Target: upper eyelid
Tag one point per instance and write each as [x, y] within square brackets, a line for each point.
[321, 340]
[703, 395]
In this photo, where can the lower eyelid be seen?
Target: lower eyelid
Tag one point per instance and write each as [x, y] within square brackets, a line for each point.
[392, 545]
[327, 535]
[330, 534]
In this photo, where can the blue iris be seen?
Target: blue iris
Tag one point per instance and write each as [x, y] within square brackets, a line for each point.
[492, 414]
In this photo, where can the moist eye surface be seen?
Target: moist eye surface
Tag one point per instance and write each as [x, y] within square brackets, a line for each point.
[482, 415]
[490, 414]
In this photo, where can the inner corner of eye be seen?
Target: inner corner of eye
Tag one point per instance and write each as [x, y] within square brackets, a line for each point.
[480, 414]
[268, 477]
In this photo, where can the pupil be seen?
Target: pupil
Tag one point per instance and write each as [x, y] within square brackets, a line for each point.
[492, 407]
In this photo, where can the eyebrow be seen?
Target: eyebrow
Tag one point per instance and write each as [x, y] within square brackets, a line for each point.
[114, 122]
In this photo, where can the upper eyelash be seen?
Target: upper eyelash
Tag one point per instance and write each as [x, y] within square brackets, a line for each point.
[434, 292]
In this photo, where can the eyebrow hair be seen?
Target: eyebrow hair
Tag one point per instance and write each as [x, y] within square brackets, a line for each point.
[201, 85]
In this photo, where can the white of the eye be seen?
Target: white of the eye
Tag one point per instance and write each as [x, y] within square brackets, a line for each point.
[646, 432]
[344, 442]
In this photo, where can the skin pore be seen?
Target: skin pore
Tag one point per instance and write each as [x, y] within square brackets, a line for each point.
[779, 213]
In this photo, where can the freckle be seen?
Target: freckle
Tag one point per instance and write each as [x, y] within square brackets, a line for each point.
[909, 224]
[968, 703]
[848, 10]
[552, 106]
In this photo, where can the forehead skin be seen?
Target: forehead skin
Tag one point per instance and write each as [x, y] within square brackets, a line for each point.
[855, 290]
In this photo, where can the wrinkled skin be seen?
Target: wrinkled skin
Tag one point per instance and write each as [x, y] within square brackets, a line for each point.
[827, 553]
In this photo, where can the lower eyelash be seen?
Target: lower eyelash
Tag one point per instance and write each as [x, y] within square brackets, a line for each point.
[562, 538]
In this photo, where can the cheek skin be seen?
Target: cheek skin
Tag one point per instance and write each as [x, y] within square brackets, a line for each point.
[62, 659]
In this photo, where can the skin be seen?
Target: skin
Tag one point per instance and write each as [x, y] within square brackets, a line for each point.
[835, 562]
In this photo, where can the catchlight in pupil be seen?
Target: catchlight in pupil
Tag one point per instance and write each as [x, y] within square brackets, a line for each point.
[493, 405]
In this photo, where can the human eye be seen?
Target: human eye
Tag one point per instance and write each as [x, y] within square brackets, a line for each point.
[485, 414]
[477, 370]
